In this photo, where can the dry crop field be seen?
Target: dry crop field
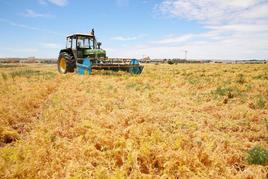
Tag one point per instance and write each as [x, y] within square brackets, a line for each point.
[172, 121]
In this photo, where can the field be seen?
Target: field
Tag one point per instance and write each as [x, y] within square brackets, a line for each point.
[172, 121]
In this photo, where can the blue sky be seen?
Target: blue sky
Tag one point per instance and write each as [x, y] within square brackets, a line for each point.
[207, 29]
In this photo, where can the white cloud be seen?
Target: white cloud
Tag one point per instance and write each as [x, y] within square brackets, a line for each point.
[121, 3]
[259, 11]
[121, 38]
[20, 50]
[24, 50]
[14, 24]
[234, 41]
[215, 11]
[42, 1]
[129, 38]
[234, 48]
[174, 39]
[232, 29]
[50, 45]
[32, 13]
[56, 2]
[59, 2]
[240, 28]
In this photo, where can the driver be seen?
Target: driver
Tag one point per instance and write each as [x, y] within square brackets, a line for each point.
[79, 44]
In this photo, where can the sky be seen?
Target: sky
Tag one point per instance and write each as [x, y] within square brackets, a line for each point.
[206, 29]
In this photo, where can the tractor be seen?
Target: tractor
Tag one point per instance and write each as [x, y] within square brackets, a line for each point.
[83, 53]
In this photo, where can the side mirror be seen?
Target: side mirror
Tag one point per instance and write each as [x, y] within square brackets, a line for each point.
[99, 45]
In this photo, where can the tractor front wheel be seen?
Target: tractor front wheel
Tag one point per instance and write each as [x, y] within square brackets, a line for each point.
[66, 63]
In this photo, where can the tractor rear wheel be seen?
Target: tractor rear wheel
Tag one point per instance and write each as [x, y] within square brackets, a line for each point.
[66, 63]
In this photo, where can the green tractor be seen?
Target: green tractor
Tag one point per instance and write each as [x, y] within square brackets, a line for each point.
[83, 54]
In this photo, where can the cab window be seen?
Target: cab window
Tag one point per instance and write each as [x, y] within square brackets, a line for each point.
[68, 43]
[84, 42]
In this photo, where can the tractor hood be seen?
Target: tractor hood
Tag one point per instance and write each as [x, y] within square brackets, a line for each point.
[95, 53]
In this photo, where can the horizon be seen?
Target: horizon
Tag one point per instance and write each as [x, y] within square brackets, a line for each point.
[160, 59]
[160, 29]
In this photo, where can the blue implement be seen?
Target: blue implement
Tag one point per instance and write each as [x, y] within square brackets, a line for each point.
[85, 68]
[136, 69]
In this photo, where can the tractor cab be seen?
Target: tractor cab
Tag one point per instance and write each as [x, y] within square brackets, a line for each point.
[85, 45]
